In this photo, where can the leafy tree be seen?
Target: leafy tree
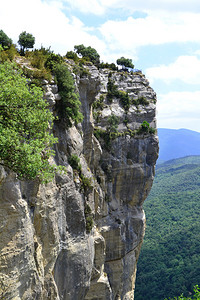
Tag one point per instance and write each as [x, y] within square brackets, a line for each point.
[5, 41]
[125, 62]
[69, 106]
[52, 61]
[111, 66]
[88, 52]
[25, 140]
[26, 40]
[72, 55]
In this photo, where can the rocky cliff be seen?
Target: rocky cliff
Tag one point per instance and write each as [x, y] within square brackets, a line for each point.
[79, 237]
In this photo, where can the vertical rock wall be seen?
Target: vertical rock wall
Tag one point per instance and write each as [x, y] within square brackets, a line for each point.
[77, 240]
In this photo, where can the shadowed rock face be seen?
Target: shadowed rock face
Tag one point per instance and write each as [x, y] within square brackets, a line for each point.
[49, 247]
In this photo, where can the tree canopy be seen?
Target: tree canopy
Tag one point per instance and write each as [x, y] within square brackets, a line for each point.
[25, 140]
[88, 52]
[26, 40]
[5, 41]
[125, 62]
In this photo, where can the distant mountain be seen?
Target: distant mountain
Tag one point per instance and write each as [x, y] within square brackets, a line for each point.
[175, 143]
[169, 262]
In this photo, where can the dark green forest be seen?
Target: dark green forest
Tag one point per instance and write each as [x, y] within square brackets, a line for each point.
[169, 263]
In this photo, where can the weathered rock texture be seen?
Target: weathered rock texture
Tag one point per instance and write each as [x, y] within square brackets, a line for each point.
[48, 249]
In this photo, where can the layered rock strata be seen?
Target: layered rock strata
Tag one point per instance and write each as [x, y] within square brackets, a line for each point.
[80, 238]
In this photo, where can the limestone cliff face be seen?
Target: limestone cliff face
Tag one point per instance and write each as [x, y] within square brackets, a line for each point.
[75, 240]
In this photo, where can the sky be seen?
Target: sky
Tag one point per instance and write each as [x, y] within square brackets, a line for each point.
[160, 36]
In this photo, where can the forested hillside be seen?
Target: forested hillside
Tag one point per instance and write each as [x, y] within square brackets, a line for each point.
[169, 262]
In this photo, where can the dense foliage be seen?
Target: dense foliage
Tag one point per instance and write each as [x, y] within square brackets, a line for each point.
[52, 61]
[88, 52]
[5, 41]
[110, 66]
[69, 106]
[196, 295]
[25, 141]
[125, 62]
[169, 262]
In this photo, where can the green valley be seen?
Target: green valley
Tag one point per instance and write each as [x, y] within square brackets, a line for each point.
[169, 262]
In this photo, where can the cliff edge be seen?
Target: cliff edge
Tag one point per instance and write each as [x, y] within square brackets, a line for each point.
[79, 237]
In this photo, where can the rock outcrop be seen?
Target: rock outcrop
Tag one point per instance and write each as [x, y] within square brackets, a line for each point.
[79, 238]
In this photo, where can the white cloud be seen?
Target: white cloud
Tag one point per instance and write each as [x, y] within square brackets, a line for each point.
[185, 68]
[155, 29]
[47, 22]
[179, 110]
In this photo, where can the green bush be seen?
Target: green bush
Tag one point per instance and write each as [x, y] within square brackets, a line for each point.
[97, 115]
[86, 183]
[143, 101]
[152, 130]
[7, 53]
[88, 218]
[37, 75]
[126, 120]
[69, 106]
[98, 104]
[111, 89]
[88, 53]
[145, 128]
[72, 55]
[25, 140]
[52, 61]
[140, 101]
[74, 162]
[113, 122]
[124, 100]
[89, 223]
[5, 41]
[37, 59]
[111, 66]
[87, 210]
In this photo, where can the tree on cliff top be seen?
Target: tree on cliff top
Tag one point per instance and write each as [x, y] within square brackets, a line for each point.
[25, 141]
[88, 52]
[125, 62]
[26, 40]
[5, 41]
